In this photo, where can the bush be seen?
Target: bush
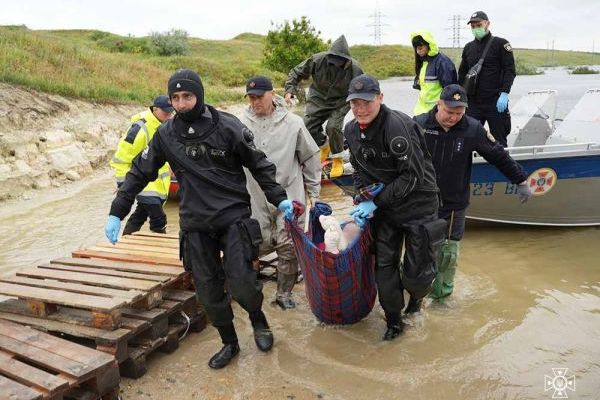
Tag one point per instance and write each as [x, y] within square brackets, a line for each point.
[582, 70]
[172, 43]
[289, 44]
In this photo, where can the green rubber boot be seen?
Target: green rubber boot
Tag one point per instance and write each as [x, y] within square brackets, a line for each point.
[444, 280]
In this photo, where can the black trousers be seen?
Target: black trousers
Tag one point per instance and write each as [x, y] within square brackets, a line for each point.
[201, 255]
[499, 123]
[456, 222]
[314, 118]
[417, 271]
[143, 211]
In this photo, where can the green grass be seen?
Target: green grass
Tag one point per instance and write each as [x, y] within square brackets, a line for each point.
[584, 71]
[105, 67]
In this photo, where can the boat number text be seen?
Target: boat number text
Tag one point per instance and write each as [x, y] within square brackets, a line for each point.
[483, 189]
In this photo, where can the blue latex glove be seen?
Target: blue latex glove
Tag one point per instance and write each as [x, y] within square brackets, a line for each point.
[502, 103]
[112, 227]
[363, 210]
[287, 208]
[360, 221]
[524, 192]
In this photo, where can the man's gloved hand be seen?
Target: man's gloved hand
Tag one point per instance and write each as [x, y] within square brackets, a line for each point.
[363, 210]
[287, 208]
[502, 103]
[111, 229]
[360, 221]
[524, 192]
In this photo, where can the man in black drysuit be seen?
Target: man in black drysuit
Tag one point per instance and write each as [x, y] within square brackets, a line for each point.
[387, 146]
[206, 150]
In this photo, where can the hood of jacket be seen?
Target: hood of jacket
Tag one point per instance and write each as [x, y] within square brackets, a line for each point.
[340, 48]
[428, 37]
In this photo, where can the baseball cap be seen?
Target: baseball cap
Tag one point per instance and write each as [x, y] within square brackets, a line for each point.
[258, 85]
[163, 103]
[363, 87]
[454, 96]
[478, 16]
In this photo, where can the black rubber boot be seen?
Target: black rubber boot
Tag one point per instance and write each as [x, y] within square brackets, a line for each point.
[263, 337]
[395, 327]
[414, 306]
[224, 356]
[285, 302]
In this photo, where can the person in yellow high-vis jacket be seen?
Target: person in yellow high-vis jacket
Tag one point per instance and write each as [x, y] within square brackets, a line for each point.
[151, 200]
[433, 69]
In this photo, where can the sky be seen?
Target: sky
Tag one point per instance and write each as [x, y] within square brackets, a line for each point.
[570, 25]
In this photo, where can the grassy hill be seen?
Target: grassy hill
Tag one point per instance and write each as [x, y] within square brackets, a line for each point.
[105, 67]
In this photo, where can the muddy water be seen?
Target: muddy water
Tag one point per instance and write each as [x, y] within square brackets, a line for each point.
[527, 300]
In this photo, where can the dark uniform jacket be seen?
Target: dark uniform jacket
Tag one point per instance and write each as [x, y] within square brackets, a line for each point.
[452, 154]
[207, 157]
[392, 150]
[498, 70]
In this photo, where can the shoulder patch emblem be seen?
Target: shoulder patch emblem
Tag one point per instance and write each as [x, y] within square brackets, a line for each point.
[507, 47]
[491, 137]
[248, 137]
[399, 147]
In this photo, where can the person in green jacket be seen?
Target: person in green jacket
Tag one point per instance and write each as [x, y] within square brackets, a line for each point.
[150, 201]
[331, 72]
[433, 69]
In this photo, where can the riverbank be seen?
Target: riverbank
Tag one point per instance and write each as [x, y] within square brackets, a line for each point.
[48, 141]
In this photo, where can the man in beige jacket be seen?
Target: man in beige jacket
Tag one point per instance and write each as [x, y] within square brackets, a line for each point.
[282, 136]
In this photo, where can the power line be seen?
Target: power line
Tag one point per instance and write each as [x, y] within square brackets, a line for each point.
[377, 24]
[456, 28]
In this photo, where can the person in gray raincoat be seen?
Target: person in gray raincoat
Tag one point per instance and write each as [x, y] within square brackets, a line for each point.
[282, 136]
[331, 72]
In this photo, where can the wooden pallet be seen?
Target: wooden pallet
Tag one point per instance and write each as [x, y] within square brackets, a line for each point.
[35, 365]
[141, 333]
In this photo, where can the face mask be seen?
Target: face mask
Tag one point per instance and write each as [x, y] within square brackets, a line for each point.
[479, 33]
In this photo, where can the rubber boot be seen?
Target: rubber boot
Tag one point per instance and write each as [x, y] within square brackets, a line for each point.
[443, 285]
[285, 284]
[337, 166]
[395, 327]
[263, 337]
[324, 152]
[414, 306]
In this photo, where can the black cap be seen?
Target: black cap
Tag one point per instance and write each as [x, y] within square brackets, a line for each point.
[454, 96]
[363, 87]
[187, 80]
[478, 16]
[258, 85]
[163, 103]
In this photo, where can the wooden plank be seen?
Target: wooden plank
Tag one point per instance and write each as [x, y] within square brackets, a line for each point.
[61, 297]
[142, 247]
[30, 376]
[45, 358]
[85, 332]
[11, 390]
[156, 235]
[131, 295]
[150, 241]
[80, 277]
[106, 272]
[88, 358]
[142, 253]
[124, 257]
[150, 269]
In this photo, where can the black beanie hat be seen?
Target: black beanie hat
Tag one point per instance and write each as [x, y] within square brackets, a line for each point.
[419, 41]
[188, 80]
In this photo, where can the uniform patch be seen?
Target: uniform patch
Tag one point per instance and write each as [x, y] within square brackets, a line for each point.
[491, 137]
[399, 147]
[507, 47]
[248, 137]
[132, 133]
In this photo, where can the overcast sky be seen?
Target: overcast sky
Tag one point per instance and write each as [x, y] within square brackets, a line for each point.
[571, 24]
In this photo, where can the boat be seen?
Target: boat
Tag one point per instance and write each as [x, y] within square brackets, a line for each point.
[563, 164]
